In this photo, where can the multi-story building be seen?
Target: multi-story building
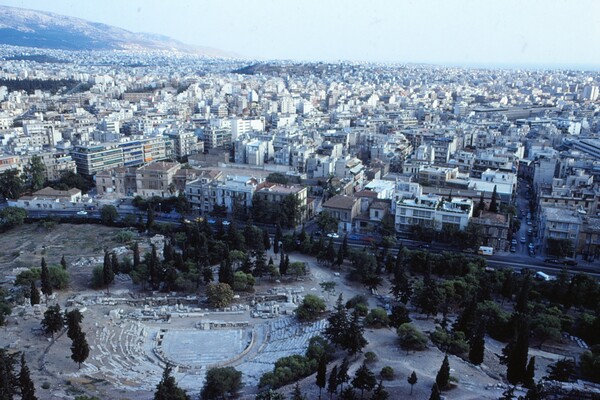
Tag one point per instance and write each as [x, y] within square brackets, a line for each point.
[156, 179]
[344, 209]
[436, 176]
[495, 228]
[185, 143]
[559, 223]
[213, 189]
[433, 212]
[119, 181]
[275, 193]
[94, 158]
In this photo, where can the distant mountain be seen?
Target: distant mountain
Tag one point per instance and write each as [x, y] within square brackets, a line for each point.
[31, 28]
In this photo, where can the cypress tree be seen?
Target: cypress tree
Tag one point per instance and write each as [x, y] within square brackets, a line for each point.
[435, 392]
[297, 393]
[45, 278]
[108, 275]
[477, 344]
[114, 263]
[136, 254]
[337, 323]
[332, 382]
[412, 380]
[8, 380]
[494, 202]
[80, 350]
[25, 382]
[530, 373]
[63, 262]
[321, 374]
[515, 352]
[226, 272]
[266, 240]
[277, 239]
[34, 294]
[73, 319]
[442, 379]
[342, 374]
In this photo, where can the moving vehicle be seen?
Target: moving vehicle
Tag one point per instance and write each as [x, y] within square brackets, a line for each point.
[485, 251]
[543, 276]
[82, 212]
[333, 235]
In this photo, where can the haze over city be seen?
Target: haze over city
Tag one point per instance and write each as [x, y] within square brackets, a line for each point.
[459, 32]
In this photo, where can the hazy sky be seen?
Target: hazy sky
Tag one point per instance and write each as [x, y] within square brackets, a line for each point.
[481, 32]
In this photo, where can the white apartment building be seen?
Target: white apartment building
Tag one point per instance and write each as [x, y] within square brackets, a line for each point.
[433, 211]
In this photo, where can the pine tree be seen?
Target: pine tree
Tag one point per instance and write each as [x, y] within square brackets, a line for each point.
[108, 275]
[380, 393]
[442, 379]
[364, 379]
[401, 284]
[321, 374]
[412, 380]
[167, 388]
[337, 323]
[25, 382]
[530, 373]
[494, 202]
[63, 262]
[297, 393]
[435, 392]
[332, 382]
[53, 320]
[34, 294]
[354, 340]
[80, 350]
[45, 278]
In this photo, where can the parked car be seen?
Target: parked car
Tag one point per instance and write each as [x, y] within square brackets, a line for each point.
[570, 262]
[513, 249]
[333, 235]
[513, 242]
[82, 212]
[552, 261]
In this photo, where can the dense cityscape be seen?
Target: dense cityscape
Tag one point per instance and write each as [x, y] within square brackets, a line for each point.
[226, 228]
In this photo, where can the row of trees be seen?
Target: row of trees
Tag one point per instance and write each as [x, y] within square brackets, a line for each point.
[13, 184]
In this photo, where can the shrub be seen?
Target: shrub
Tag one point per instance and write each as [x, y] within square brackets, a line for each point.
[370, 357]
[377, 318]
[387, 373]
[411, 338]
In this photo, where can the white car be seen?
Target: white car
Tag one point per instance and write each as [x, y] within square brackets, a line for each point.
[82, 212]
[333, 235]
